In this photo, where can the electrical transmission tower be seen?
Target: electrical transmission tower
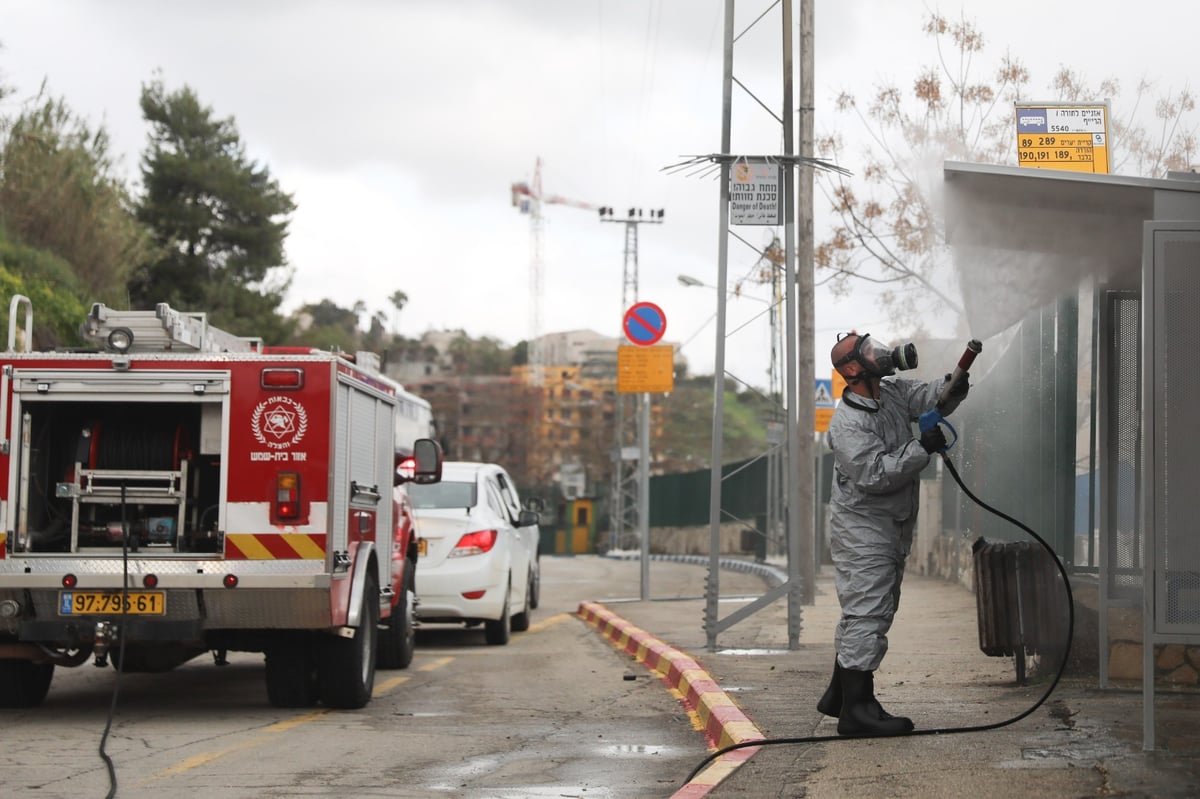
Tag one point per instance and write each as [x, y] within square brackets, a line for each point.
[629, 511]
[770, 269]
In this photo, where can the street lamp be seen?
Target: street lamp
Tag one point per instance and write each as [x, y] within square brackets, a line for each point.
[689, 281]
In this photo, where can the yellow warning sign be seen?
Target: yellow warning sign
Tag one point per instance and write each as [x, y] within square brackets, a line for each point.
[645, 370]
[1070, 136]
[839, 385]
[828, 391]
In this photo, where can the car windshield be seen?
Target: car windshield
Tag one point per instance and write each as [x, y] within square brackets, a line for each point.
[446, 494]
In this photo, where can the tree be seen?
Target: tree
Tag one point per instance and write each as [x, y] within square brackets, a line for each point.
[327, 326]
[398, 299]
[520, 353]
[889, 230]
[1144, 150]
[482, 356]
[220, 219]
[686, 443]
[59, 193]
[376, 338]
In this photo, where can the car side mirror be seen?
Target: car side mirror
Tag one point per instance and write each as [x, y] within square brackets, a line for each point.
[536, 504]
[425, 465]
[527, 518]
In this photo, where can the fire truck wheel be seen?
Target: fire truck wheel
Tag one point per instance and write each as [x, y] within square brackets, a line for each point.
[24, 683]
[520, 621]
[291, 674]
[346, 666]
[496, 632]
[397, 640]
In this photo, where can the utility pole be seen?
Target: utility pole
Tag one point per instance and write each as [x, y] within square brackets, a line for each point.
[799, 382]
[805, 374]
[795, 418]
[630, 513]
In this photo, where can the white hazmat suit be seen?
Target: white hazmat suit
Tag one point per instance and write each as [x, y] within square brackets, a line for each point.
[874, 506]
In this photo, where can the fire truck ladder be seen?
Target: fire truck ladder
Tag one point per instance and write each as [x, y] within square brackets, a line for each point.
[161, 330]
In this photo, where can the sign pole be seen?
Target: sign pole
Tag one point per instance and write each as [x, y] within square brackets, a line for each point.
[644, 490]
[646, 367]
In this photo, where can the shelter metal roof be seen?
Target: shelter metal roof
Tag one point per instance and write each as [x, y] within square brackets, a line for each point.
[1024, 237]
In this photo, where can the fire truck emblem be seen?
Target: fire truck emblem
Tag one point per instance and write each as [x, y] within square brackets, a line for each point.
[279, 422]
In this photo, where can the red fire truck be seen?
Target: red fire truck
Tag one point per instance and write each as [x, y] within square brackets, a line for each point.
[173, 489]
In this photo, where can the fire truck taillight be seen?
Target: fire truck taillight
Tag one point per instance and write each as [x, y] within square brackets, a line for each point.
[69, 581]
[287, 496]
[282, 378]
[229, 581]
[150, 581]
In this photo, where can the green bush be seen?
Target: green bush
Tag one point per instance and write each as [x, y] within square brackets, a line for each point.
[51, 287]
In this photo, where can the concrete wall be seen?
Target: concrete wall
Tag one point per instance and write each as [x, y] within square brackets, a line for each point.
[696, 540]
[1174, 664]
[934, 554]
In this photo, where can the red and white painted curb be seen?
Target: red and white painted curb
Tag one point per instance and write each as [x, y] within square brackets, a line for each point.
[722, 721]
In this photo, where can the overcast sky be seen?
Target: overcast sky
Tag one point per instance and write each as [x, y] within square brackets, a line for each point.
[399, 126]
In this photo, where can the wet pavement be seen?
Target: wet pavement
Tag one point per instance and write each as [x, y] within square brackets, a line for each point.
[1082, 741]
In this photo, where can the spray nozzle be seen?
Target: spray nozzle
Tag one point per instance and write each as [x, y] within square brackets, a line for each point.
[974, 347]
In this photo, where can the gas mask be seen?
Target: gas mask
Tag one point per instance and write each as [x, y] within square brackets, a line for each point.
[875, 357]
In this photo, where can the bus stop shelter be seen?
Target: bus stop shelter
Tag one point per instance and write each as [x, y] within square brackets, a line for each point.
[1023, 239]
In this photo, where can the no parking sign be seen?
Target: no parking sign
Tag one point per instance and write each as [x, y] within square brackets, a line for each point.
[648, 367]
[644, 324]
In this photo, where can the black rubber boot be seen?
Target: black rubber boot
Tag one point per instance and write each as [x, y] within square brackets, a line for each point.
[859, 716]
[830, 702]
[880, 713]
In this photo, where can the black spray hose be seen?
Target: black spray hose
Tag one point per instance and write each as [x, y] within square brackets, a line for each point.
[944, 730]
[112, 708]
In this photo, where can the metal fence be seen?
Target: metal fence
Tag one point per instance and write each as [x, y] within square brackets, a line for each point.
[681, 500]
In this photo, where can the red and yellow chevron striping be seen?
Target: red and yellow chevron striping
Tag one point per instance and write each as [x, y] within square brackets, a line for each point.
[275, 546]
[722, 721]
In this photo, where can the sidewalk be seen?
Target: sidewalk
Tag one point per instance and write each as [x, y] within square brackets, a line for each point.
[1081, 742]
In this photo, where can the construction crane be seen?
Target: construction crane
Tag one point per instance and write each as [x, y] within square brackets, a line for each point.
[528, 199]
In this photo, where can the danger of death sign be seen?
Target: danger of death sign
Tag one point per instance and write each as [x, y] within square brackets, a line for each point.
[754, 193]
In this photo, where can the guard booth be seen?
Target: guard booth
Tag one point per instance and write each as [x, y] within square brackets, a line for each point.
[577, 535]
[1086, 286]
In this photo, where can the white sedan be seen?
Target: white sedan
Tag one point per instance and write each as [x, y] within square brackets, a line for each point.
[478, 550]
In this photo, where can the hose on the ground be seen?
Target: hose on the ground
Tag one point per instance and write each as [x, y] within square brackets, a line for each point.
[810, 739]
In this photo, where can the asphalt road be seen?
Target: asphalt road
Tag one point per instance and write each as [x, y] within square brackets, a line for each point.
[558, 712]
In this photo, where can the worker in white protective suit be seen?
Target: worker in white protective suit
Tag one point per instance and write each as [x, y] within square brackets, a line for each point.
[877, 466]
